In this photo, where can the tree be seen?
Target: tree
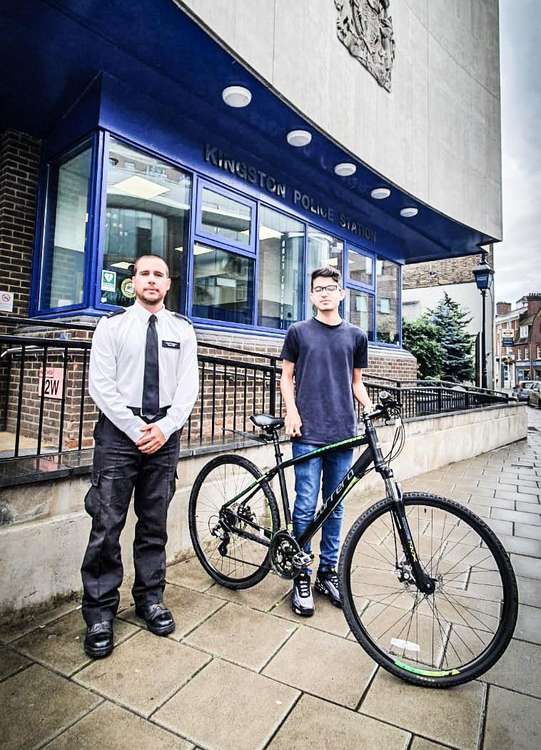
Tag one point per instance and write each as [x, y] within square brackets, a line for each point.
[451, 320]
[421, 338]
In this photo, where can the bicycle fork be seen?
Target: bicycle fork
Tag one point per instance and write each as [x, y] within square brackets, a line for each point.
[424, 582]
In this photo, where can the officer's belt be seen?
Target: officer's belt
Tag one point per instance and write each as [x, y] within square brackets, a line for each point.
[149, 418]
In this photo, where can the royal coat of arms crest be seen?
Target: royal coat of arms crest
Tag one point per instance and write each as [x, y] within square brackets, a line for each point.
[366, 29]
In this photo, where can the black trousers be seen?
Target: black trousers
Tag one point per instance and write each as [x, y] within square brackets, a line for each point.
[119, 468]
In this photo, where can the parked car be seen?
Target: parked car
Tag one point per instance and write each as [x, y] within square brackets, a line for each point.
[534, 395]
[522, 389]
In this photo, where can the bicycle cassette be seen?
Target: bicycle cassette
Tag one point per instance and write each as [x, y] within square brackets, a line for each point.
[286, 557]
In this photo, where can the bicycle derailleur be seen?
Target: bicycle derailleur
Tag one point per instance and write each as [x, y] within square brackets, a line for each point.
[286, 557]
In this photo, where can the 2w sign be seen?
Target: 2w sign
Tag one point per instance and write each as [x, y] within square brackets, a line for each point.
[54, 380]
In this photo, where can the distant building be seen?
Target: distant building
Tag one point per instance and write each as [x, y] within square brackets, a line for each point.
[518, 341]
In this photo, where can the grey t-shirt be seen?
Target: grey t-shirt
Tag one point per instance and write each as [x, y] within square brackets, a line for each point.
[324, 358]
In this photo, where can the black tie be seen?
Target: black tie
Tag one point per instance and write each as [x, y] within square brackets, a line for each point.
[151, 380]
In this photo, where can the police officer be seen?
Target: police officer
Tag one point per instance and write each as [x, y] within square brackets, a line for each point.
[144, 379]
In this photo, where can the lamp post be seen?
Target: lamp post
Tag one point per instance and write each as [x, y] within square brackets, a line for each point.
[483, 274]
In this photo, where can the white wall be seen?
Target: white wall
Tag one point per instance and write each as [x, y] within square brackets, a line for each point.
[437, 134]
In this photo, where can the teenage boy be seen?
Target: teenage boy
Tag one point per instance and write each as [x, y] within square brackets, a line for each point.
[323, 359]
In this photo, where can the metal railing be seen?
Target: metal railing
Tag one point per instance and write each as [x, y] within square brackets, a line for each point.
[45, 408]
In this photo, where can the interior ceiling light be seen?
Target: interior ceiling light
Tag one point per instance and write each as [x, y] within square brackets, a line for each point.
[237, 96]
[345, 169]
[380, 193]
[139, 187]
[299, 138]
[409, 212]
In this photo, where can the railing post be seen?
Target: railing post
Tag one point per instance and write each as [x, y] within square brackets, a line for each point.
[272, 405]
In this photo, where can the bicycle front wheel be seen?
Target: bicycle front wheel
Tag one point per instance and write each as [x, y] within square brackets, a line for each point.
[441, 639]
[231, 559]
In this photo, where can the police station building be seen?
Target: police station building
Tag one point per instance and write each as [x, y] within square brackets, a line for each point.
[246, 143]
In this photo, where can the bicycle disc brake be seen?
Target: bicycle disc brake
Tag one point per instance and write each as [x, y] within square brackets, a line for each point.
[286, 557]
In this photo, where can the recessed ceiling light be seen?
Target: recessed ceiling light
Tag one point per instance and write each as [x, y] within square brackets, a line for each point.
[409, 212]
[380, 193]
[139, 187]
[345, 169]
[299, 138]
[237, 96]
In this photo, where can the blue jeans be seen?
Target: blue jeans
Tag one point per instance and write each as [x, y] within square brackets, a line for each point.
[307, 484]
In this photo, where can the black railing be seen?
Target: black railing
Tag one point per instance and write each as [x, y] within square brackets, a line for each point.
[45, 408]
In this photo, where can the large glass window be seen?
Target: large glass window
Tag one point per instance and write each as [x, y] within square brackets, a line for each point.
[388, 286]
[360, 268]
[224, 218]
[147, 211]
[222, 285]
[323, 250]
[62, 281]
[281, 245]
[361, 311]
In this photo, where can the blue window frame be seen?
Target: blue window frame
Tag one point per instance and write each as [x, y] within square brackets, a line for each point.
[245, 263]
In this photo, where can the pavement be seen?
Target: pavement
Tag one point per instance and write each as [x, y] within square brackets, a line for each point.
[241, 671]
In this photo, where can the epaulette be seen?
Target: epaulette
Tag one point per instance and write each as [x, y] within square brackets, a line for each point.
[183, 317]
[117, 312]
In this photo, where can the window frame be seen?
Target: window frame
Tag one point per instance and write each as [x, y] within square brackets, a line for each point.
[387, 344]
[43, 250]
[222, 243]
[358, 286]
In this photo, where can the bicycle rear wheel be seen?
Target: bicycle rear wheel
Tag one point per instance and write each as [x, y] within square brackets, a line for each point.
[230, 559]
[442, 639]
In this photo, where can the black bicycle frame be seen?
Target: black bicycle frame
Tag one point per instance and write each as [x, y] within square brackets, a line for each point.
[372, 454]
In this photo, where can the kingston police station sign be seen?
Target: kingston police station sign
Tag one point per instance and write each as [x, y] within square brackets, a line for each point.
[300, 199]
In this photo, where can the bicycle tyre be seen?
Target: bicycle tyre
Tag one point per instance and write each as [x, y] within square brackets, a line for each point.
[424, 675]
[202, 547]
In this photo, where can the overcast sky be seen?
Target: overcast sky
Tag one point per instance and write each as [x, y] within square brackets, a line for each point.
[518, 257]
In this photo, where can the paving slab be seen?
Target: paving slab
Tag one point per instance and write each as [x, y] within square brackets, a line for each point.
[521, 545]
[526, 567]
[323, 665]
[450, 716]
[110, 726]
[528, 531]
[189, 574]
[11, 631]
[37, 704]
[518, 669]
[326, 617]
[189, 608]
[263, 596]
[226, 707]
[10, 661]
[513, 721]
[528, 626]
[419, 743]
[314, 723]
[143, 672]
[241, 635]
[59, 645]
[529, 591]
[516, 516]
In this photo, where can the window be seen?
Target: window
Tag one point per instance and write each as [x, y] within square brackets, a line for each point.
[323, 250]
[361, 311]
[387, 305]
[62, 280]
[224, 218]
[147, 211]
[280, 254]
[222, 285]
[360, 268]
[523, 332]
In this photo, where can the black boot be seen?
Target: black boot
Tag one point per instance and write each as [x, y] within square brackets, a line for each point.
[99, 639]
[158, 618]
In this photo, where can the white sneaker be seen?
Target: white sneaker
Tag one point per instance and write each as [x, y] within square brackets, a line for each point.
[302, 601]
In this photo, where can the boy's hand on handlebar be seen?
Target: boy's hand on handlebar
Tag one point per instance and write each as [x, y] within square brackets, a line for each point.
[293, 424]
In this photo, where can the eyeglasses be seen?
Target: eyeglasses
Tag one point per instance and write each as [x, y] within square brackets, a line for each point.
[329, 288]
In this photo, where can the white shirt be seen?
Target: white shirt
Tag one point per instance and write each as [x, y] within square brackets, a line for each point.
[117, 365]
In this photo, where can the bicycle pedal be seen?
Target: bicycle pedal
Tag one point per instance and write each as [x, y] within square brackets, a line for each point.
[302, 559]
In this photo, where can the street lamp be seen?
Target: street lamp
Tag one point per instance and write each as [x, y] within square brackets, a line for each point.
[483, 274]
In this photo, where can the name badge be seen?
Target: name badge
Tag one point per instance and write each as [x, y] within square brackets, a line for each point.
[171, 344]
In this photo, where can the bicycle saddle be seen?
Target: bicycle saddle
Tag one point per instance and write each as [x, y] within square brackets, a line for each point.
[266, 421]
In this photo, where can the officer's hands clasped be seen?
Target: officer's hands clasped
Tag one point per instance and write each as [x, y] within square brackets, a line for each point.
[151, 440]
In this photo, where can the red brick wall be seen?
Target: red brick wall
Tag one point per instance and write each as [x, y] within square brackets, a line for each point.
[441, 272]
[19, 166]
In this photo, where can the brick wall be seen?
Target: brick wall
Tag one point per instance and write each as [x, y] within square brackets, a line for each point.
[19, 166]
[441, 272]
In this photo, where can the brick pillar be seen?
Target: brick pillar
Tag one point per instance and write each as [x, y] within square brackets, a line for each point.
[19, 168]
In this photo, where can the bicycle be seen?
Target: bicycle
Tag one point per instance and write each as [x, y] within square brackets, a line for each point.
[427, 588]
